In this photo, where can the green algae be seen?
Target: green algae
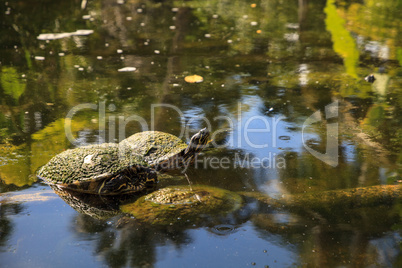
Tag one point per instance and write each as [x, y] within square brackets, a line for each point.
[86, 163]
[154, 146]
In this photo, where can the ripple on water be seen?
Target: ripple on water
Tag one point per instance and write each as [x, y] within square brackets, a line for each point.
[224, 229]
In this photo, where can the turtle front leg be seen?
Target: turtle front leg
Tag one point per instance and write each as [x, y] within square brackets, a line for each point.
[133, 179]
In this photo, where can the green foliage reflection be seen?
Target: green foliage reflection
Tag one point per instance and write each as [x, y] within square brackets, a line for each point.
[11, 82]
[343, 42]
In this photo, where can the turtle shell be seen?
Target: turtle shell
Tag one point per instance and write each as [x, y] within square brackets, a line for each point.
[89, 163]
[154, 146]
[182, 204]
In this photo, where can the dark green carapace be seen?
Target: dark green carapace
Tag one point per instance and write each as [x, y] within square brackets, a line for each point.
[127, 167]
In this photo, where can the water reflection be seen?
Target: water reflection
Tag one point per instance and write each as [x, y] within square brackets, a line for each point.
[95, 206]
[273, 59]
[323, 238]
[6, 223]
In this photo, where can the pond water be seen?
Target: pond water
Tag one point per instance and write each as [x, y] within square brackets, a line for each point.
[283, 93]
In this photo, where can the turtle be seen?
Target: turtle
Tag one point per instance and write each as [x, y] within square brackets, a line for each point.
[121, 168]
[161, 150]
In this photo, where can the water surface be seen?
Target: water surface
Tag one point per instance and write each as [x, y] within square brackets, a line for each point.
[83, 72]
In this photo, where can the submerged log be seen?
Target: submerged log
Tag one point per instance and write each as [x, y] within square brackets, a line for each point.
[334, 199]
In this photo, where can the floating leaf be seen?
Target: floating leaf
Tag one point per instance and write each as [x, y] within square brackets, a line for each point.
[193, 79]
[127, 69]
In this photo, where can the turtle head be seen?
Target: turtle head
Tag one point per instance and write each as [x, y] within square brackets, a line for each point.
[198, 142]
[186, 156]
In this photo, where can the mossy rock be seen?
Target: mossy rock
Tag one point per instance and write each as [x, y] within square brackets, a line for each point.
[180, 204]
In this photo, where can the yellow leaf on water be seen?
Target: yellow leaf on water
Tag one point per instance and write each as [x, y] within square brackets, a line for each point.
[193, 79]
